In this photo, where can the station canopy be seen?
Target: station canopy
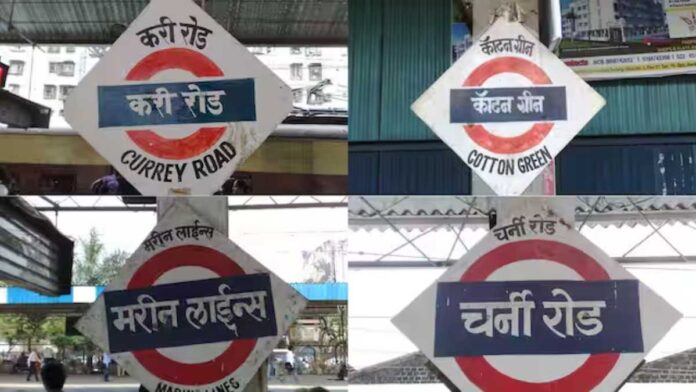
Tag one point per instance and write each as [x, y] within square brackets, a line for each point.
[386, 212]
[252, 22]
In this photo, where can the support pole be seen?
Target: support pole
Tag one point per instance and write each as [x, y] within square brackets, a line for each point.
[527, 13]
[214, 210]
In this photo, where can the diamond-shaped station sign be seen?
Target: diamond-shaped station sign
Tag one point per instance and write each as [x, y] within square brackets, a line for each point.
[177, 104]
[507, 107]
[190, 310]
[535, 306]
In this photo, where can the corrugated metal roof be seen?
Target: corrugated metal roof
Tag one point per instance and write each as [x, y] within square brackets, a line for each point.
[596, 210]
[279, 22]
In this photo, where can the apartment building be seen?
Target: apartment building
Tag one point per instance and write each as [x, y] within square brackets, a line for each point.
[593, 19]
[318, 76]
[47, 74]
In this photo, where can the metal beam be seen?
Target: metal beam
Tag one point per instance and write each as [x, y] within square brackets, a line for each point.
[150, 208]
[281, 155]
[595, 218]
[685, 260]
[69, 39]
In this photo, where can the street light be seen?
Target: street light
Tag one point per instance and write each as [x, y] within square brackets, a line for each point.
[572, 16]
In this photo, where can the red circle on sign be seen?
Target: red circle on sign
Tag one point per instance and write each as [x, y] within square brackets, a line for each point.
[591, 372]
[199, 141]
[185, 373]
[508, 145]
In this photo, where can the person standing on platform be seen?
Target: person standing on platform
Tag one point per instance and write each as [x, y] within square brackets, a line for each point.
[106, 361]
[290, 365]
[34, 364]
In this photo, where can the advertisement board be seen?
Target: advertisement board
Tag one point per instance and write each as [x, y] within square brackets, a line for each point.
[611, 39]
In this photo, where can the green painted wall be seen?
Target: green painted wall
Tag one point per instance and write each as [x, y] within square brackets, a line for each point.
[646, 106]
[398, 48]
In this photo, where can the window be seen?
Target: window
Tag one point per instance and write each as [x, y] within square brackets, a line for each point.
[65, 91]
[13, 88]
[53, 49]
[312, 52]
[297, 95]
[49, 91]
[54, 67]
[295, 50]
[315, 72]
[69, 49]
[18, 49]
[68, 69]
[296, 71]
[16, 67]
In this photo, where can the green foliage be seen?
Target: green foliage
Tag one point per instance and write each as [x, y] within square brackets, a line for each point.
[333, 329]
[28, 328]
[64, 342]
[93, 267]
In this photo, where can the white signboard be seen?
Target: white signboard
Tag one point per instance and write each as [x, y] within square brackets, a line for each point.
[177, 104]
[508, 106]
[536, 306]
[681, 18]
[191, 311]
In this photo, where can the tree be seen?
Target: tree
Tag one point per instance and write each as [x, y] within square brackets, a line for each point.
[63, 342]
[333, 331]
[93, 267]
[28, 328]
[321, 263]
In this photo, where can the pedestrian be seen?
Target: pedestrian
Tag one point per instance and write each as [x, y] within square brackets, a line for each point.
[106, 361]
[53, 376]
[290, 366]
[342, 372]
[34, 364]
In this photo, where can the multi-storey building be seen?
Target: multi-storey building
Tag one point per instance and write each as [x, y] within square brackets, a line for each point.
[47, 74]
[593, 19]
[318, 76]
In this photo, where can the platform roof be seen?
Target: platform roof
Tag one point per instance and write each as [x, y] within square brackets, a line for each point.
[253, 22]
